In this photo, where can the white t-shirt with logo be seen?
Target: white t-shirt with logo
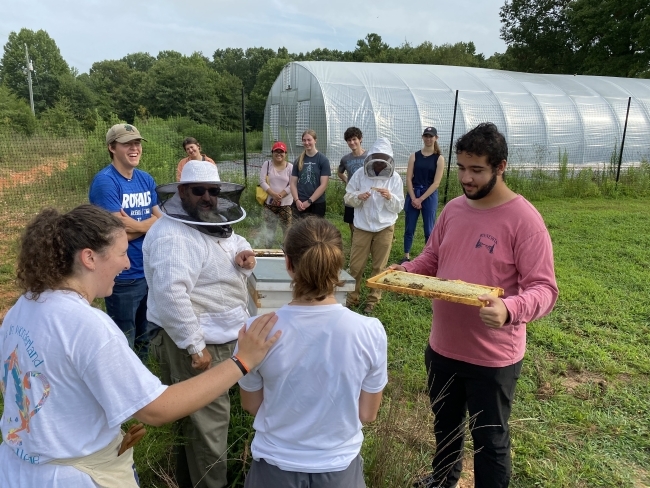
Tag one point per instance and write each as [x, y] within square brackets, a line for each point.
[69, 381]
[312, 378]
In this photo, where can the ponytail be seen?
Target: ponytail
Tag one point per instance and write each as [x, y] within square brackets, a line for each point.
[301, 159]
[436, 147]
[315, 251]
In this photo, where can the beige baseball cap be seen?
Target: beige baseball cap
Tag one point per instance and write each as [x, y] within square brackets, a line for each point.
[123, 133]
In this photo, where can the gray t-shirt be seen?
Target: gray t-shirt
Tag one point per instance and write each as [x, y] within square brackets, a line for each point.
[350, 163]
[309, 178]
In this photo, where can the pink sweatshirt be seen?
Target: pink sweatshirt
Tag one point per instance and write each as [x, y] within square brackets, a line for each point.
[506, 246]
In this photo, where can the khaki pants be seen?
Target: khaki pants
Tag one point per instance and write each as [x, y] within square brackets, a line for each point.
[204, 432]
[376, 245]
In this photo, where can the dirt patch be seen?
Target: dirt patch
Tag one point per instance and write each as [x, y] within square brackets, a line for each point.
[641, 477]
[572, 380]
[467, 476]
[545, 391]
[27, 177]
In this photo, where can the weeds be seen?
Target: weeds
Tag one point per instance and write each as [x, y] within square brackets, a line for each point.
[580, 413]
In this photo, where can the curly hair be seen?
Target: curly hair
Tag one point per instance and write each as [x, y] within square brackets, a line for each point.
[351, 132]
[315, 250]
[51, 241]
[484, 140]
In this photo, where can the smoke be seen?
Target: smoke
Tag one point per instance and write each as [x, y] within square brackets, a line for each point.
[264, 237]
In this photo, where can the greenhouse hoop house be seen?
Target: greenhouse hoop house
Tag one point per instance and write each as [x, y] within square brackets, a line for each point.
[544, 117]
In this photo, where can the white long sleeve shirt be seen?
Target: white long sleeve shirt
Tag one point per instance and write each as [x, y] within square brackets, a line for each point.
[376, 213]
[196, 291]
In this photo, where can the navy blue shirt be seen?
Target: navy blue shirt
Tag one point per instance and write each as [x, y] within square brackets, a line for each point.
[424, 169]
[137, 196]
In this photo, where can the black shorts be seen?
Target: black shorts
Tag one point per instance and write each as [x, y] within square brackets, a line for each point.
[348, 215]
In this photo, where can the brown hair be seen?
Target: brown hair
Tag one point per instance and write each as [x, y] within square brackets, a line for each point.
[436, 147]
[190, 140]
[112, 146]
[315, 251]
[312, 133]
[351, 132]
[51, 241]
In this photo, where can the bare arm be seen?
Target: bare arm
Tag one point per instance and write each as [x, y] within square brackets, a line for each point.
[264, 171]
[137, 228]
[343, 177]
[409, 176]
[293, 186]
[251, 400]
[186, 397]
[436, 179]
[369, 406]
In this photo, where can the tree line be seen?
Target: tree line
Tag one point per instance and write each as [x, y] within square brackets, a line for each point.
[608, 37]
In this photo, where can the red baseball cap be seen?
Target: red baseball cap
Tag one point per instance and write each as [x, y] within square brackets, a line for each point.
[279, 145]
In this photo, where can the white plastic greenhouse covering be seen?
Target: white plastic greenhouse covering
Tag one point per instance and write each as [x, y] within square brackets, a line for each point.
[542, 116]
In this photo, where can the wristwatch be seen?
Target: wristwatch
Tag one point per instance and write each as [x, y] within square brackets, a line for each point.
[309, 201]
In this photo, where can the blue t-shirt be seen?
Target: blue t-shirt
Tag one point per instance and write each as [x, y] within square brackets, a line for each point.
[137, 196]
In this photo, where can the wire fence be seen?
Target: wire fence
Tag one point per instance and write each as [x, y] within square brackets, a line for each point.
[55, 165]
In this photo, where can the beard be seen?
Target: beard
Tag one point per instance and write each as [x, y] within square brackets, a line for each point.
[202, 214]
[482, 191]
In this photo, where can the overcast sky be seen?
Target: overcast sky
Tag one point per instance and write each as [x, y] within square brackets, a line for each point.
[91, 30]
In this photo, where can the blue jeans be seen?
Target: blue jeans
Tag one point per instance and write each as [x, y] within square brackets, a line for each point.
[429, 209]
[127, 306]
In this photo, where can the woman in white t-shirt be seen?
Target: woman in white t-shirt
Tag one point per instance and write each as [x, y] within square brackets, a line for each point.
[70, 379]
[315, 389]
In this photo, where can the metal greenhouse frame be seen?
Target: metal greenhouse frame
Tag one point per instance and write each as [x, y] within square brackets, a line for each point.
[544, 117]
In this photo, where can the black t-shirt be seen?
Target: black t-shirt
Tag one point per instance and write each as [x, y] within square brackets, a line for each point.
[309, 178]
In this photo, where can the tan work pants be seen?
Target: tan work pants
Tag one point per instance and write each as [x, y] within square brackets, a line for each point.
[377, 245]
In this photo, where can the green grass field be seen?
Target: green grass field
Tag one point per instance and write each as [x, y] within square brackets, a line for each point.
[580, 416]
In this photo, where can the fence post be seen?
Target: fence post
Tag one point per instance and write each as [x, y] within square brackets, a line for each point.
[243, 132]
[620, 156]
[451, 147]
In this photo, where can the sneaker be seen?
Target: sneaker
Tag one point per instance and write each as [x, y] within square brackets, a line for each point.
[405, 260]
[369, 308]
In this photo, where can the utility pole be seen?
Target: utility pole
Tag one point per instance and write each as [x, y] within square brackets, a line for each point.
[30, 68]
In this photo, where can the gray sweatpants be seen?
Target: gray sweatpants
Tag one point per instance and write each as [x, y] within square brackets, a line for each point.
[265, 475]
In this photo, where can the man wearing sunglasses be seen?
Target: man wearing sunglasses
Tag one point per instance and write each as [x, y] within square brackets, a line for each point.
[197, 267]
[129, 193]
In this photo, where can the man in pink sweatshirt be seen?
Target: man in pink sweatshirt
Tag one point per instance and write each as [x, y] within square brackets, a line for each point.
[490, 236]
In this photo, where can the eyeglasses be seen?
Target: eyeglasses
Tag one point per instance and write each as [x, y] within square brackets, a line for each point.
[199, 191]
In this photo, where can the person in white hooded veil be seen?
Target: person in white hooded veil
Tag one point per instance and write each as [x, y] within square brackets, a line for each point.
[196, 267]
[377, 195]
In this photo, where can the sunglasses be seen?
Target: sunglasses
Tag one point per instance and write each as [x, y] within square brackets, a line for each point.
[199, 191]
[278, 151]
